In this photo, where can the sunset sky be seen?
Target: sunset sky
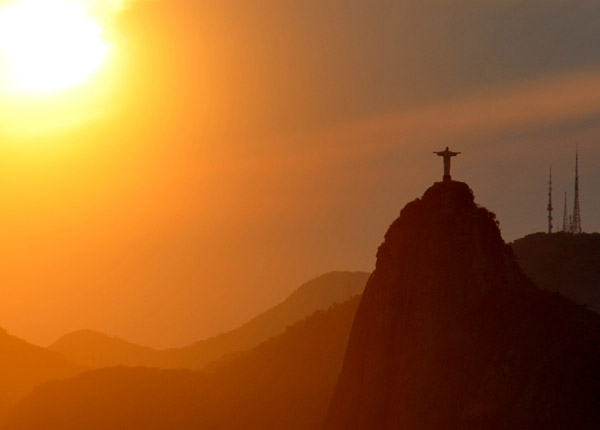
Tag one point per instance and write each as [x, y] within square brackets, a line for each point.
[225, 151]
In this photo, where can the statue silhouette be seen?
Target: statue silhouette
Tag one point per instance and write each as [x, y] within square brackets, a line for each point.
[447, 154]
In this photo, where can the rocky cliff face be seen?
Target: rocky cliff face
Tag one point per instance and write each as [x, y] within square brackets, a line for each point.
[451, 334]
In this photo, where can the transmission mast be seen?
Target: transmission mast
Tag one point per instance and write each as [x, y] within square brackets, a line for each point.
[576, 222]
[565, 226]
[550, 203]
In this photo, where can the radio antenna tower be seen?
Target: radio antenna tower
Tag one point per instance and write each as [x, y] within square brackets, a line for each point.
[576, 223]
[565, 227]
[550, 203]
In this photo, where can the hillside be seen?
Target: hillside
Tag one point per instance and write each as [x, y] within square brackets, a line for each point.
[319, 293]
[451, 334]
[97, 350]
[23, 366]
[284, 383]
[566, 263]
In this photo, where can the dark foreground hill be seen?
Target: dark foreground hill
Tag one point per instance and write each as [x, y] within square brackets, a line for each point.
[565, 263]
[23, 366]
[450, 334]
[284, 383]
[97, 350]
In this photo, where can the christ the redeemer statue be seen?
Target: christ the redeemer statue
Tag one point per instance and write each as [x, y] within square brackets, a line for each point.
[447, 154]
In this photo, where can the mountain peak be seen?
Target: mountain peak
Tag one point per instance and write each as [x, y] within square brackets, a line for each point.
[444, 206]
[451, 334]
[450, 244]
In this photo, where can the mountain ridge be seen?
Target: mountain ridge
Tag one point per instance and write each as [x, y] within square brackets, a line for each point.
[23, 366]
[97, 350]
[284, 382]
[565, 263]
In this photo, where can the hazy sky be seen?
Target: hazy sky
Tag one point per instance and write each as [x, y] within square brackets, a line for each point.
[236, 148]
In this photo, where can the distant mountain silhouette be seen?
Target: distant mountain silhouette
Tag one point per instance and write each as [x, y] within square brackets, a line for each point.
[23, 366]
[565, 263]
[284, 383]
[97, 350]
[450, 334]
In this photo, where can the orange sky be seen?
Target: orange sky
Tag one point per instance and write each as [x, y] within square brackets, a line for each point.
[233, 149]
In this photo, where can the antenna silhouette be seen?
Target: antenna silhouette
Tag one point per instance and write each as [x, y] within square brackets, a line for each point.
[576, 221]
[565, 226]
[550, 203]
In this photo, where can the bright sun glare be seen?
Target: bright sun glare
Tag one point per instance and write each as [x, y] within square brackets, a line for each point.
[49, 45]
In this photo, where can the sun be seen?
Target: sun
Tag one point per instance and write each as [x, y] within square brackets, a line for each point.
[48, 46]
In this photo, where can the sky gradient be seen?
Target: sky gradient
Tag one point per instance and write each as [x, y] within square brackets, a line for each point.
[234, 149]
